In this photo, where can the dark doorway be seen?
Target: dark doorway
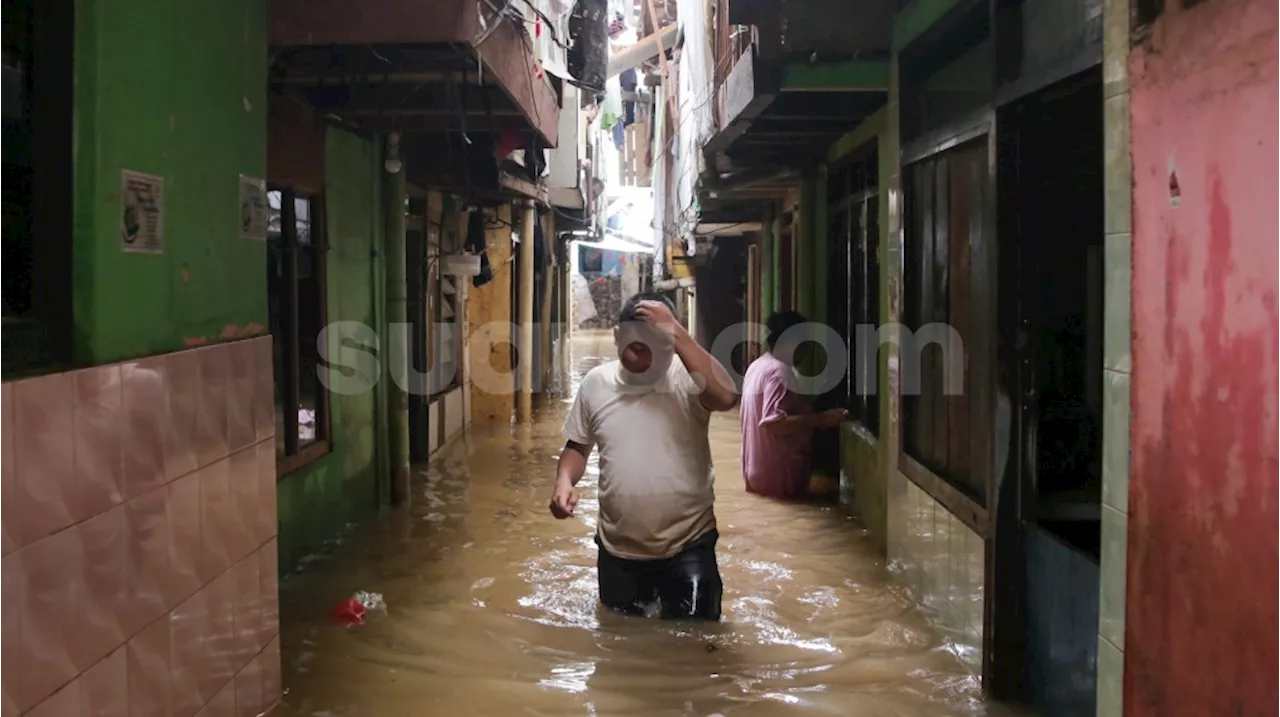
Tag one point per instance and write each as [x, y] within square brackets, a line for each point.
[721, 298]
[39, 39]
[417, 310]
[1051, 287]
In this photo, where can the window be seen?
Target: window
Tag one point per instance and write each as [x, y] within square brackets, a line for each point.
[943, 220]
[297, 296]
[591, 261]
[854, 252]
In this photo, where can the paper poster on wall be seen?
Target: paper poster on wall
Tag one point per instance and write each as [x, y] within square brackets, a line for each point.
[141, 213]
[253, 208]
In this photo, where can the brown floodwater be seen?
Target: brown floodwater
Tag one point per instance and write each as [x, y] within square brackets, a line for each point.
[492, 610]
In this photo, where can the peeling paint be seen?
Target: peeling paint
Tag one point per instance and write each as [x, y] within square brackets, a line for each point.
[1203, 516]
[233, 331]
[230, 332]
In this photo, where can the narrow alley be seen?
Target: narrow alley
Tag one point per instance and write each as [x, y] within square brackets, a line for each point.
[297, 295]
[492, 606]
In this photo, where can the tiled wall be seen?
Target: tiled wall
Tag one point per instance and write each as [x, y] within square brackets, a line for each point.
[1117, 358]
[861, 470]
[941, 561]
[139, 527]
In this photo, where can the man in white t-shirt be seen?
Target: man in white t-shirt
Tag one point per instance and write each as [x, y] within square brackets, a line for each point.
[647, 413]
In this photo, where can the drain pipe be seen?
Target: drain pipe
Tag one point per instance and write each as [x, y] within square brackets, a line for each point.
[395, 341]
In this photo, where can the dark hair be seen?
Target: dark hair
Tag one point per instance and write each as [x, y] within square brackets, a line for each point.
[628, 312]
[779, 322]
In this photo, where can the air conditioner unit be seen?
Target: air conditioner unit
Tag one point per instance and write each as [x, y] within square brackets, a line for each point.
[460, 265]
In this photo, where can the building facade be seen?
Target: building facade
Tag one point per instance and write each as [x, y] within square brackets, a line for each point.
[1065, 475]
[219, 212]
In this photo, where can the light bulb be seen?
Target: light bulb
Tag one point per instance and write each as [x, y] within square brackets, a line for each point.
[392, 166]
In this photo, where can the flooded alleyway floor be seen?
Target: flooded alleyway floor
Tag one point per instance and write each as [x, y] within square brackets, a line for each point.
[492, 610]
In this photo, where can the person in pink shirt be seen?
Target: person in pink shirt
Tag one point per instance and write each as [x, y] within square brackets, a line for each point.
[778, 423]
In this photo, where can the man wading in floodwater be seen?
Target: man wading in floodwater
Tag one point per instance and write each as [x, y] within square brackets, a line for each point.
[647, 413]
[777, 423]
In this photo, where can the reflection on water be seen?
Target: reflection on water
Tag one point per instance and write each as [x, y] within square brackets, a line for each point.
[492, 607]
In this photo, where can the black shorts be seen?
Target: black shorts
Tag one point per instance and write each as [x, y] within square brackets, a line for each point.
[687, 584]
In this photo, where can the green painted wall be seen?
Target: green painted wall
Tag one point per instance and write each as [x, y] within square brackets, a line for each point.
[818, 238]
[804, 75]
[318, 500]
[806, 260]
[178, 90]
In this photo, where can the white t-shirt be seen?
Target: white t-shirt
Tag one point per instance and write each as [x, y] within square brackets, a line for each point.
[656, 478]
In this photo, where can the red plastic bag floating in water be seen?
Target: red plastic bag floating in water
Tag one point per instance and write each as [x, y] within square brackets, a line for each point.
[350, 611]
[354, 610]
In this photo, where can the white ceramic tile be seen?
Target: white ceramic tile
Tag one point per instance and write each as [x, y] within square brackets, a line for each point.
[976, 559]
[1112, 576]
[1110, 680]
[945, 587]
[894, 519]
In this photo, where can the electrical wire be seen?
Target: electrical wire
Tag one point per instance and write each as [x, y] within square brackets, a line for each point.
[551, 28]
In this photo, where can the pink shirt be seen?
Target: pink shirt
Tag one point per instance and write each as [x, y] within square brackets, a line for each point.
[776, 466]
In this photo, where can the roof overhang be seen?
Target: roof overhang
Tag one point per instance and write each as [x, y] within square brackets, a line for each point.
[398, 59]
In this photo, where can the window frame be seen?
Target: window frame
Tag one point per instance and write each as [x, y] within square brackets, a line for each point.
[853, 201]
[295, 457]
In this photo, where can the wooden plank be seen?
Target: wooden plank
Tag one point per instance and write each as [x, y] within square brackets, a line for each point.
[960, 307]
[645, 49]
[941, 282]
[666, 71]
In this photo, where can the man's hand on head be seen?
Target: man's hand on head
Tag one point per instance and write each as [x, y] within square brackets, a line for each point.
[659, 316]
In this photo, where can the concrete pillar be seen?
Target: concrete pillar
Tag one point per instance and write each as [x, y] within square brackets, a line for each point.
[691, 300]
[775, 254]
[768, 262]
[566, 310]
[548, 281]
[397, 350]
[524, 400]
